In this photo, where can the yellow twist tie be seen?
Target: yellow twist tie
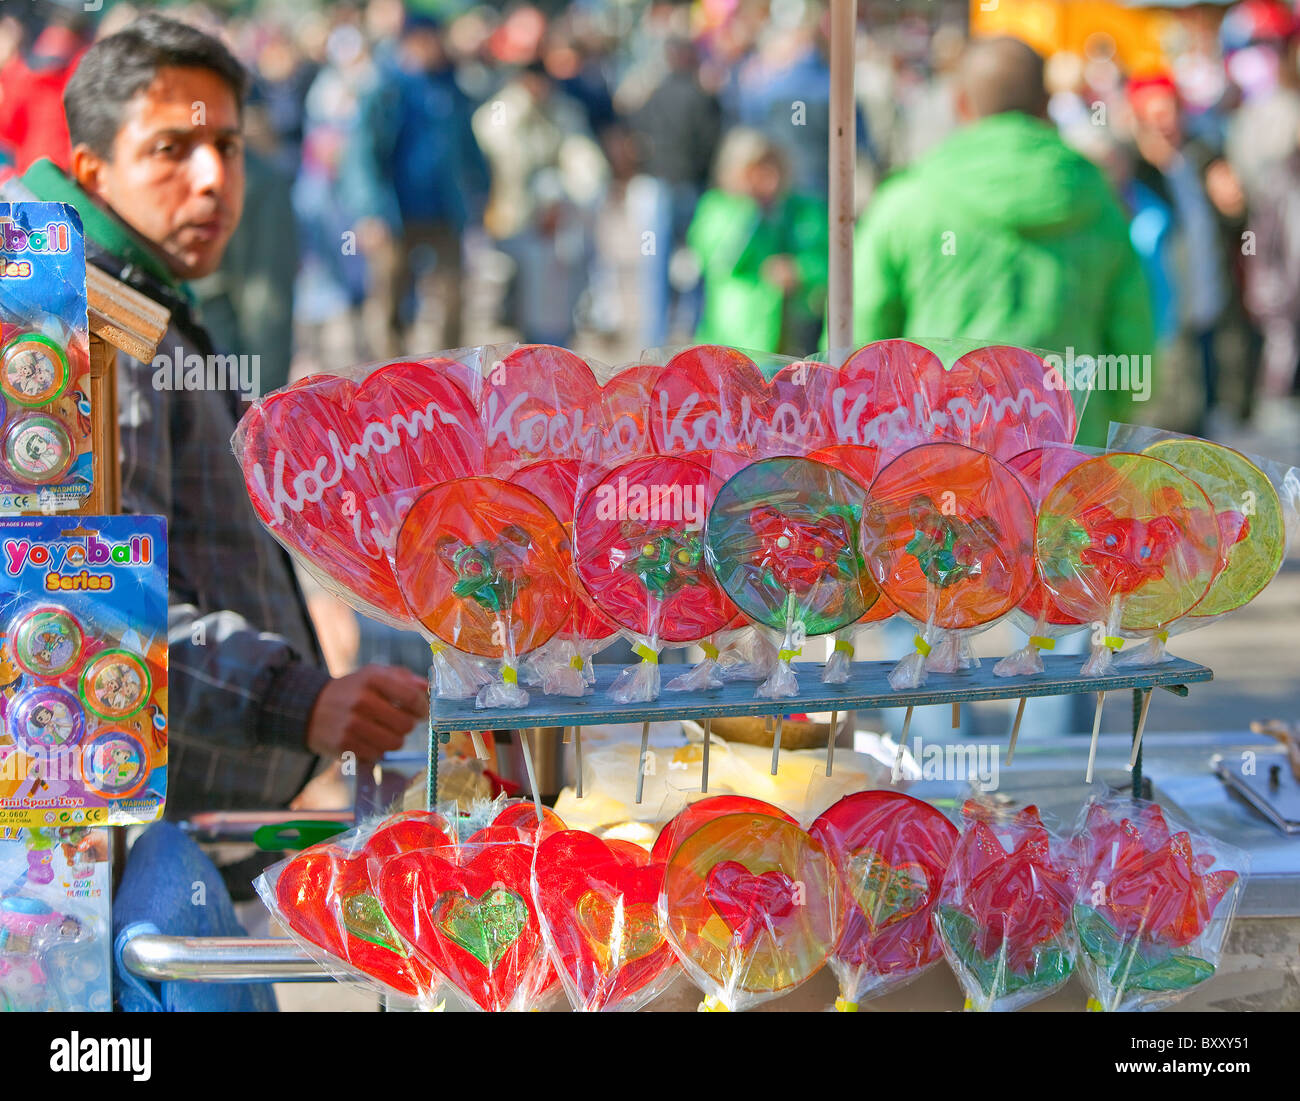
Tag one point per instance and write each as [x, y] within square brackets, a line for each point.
[922, 647]
[575, 662]
[1113, 643]
[509, 674]
[1042, 642]
[843, 647]
[712, 1005]
[789, 655]
[1095, 1006]
[710, 651]
[843, 1005]
[967, 1006]
[1163, 636]
[436, 648]
[646, 654]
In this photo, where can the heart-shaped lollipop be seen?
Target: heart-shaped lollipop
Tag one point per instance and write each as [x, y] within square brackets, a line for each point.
[471, 917]
[891, 851]
[597, 905]
[326, 896]
[319, 456]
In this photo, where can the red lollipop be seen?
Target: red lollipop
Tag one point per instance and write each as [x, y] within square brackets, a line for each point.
[876, 403]
[625, 413]
[319, 456]
[639, 549]
[710, 399]
[469, 914]
[539, 402]
[597, 907]
[891, 852]
[327, 895]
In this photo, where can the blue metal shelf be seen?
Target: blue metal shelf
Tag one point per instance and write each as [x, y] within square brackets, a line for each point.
[867, 689]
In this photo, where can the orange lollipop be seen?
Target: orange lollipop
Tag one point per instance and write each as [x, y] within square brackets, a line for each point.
[483, 566]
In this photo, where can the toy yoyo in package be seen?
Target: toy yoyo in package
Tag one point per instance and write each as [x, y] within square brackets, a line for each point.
[45, 442]
[83, 661]
[54, 918]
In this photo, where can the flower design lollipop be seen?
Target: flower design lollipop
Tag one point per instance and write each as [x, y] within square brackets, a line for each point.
[948, 533]
[1113, 550]
[1150, 915]
[482, 566]
[1004, 909]
[783, 541]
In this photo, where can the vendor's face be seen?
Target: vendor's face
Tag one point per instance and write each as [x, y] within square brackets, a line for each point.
[176, 174]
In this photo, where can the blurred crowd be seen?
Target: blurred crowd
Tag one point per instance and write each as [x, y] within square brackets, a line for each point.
[633, 175]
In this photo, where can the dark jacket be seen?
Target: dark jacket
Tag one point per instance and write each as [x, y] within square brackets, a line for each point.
[245, 669]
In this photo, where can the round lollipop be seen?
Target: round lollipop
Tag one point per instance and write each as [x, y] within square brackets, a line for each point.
[686, 822]
[482, 566]
[948, 532]
[1113, 550]
[752, 907]
[891, 852]
[639, 549]
[1251, 522]
[783, 541]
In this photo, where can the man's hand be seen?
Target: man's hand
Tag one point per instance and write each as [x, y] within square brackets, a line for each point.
[369, 712]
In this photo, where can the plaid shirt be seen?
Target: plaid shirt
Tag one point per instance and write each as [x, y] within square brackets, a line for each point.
[245, 666]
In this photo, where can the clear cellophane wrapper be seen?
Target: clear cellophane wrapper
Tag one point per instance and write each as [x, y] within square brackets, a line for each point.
[327, 898]
[948, 534]
[1257, 506]
[596, 901]
[1004, 909]
[891, 852]
[1154, 903]
[467, 914]
[752, 906]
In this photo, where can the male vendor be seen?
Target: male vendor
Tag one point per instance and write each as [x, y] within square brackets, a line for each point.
[154, 115]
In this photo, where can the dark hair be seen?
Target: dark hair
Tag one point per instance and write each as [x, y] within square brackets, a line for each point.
[118, 68]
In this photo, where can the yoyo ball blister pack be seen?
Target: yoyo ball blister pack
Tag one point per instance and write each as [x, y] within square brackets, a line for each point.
[55, 947]
[83, 671]
[46, 456]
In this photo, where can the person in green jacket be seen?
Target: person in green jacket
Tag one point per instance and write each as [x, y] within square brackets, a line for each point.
[762, 252]
[1005, 235]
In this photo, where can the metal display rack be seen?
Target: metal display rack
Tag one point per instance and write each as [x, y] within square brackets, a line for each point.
[159, 958]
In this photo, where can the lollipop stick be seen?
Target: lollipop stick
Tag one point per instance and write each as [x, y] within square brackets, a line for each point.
[902, 741]
[830, 742]
[525, 738]
[956, 715]
[776, 742]
[480, 748]
[577, 757]
[566, 735]
[704, 767]
[1015, 729]
[1096, 731]
[640, 764]
[1141, 726]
